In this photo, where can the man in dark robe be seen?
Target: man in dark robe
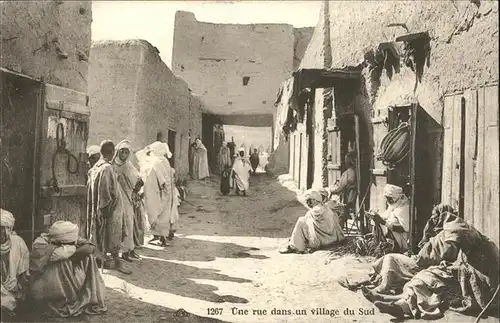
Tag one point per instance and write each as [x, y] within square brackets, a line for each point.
[104, 225]
[254, 160]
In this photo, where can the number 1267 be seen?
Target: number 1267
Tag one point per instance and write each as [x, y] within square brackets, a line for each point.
[214, 311]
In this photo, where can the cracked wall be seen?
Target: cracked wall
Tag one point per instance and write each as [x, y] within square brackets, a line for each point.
[464, 50]
[134, 95]
[26, 26]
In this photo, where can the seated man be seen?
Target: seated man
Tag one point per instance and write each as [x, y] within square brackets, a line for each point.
[15, 264]
[394, 222]
[64, 273]
[319, 227]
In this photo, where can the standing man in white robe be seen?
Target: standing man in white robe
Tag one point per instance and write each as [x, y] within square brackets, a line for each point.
[241, 173]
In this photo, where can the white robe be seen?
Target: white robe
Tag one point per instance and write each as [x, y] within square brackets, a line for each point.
[241, 170]
[398, 214]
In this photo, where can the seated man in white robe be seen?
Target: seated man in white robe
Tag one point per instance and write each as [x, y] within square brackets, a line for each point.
[395, 221]
[15, 264]
[318, 228]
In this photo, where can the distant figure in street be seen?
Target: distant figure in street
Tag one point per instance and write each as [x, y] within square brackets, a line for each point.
[241, 173]
[319, 227]
[232, 149]
[254, 160]
[64, 272]
[224, 157]
[200, 160]
[15, 264]
[160, 193]
[130, 184]
[104, 225]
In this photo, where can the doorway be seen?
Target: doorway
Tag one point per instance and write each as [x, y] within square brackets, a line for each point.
[20, 134]
[171, 145]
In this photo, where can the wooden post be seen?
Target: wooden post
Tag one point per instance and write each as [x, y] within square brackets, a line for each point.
[358, 209]
[38, 156]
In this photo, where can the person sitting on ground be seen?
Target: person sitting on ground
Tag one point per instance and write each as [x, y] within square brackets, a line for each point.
[394, 222]
[64, 272]
[318, 228]
[254, 160]
[391, 271]
[15, 264]
[460, 273]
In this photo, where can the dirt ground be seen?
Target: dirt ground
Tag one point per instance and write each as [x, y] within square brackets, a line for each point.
[225, 257]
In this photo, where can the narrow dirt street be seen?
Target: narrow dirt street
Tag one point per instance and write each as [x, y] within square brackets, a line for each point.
[226, 256]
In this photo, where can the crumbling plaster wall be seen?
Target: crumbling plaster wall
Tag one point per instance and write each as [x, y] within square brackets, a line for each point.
[464, 45]
[464, 50]
[214, 58]
[27, 25]
[134, 95]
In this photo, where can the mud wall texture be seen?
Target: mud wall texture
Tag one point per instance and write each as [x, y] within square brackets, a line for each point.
[134, 95]
[215, 58]
[463, 55]
[49, 39]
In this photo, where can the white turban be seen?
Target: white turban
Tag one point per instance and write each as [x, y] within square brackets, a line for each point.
[7, 219]
[241, 149]
[393, 191]
[63, 232]
[93, 150]
[313, 195]
[159, 149]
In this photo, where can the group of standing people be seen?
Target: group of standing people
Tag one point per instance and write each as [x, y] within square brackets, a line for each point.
[124, 201]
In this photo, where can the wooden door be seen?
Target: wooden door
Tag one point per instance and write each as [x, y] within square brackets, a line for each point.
[452, 124]
[64, 169]
[21, 106]
[470, 168]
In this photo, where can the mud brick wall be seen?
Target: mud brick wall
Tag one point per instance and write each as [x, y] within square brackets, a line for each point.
[29, 31]
[134, 95]
[214, 58]
[464, 51]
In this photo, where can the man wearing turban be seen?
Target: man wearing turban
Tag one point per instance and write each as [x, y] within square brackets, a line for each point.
[130, 184]
[64, 272]
[319, 227]
[395, 221]
[241, 173]
[15, 264]
[104, 225]
[160, 193]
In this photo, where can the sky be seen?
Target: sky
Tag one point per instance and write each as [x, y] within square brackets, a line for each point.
[154, 20]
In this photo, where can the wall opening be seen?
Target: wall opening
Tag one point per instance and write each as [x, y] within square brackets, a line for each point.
[171, 145]
[246, 79]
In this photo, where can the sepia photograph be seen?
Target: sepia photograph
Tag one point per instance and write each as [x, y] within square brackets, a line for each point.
[250, 161]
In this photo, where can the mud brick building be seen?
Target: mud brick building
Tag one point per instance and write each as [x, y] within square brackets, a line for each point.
[358, 69]
[135, 96]
[44, 69]
[236, 68]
